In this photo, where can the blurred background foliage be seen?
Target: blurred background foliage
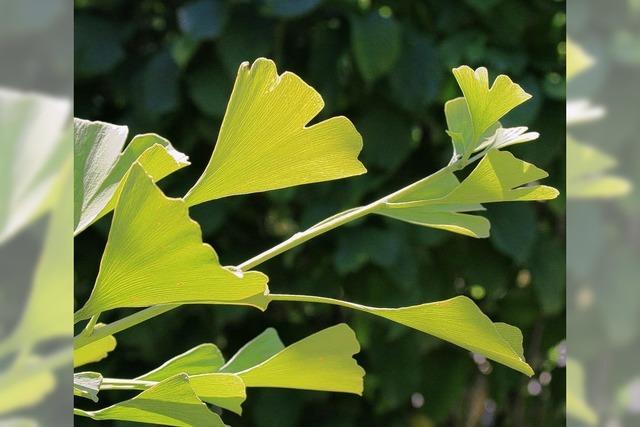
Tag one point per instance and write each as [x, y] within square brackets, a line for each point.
[168, 67]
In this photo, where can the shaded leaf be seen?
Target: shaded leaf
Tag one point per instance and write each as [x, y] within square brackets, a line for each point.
[24, 385]
[171, 402]
[87, 385]
[202, 359]
[95, 351]
[203, 19]
[155, 255]
[224, 390]
[264, 143]
[288, 8]
[255, 351]
[376, 42]
[322, 361]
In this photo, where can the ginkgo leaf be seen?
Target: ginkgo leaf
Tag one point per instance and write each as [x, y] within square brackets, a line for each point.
[457, 320]
[33, 151]
[578, 60]
[265, 143]
[155, 255]
[94, 351]
[87, 385]
[227, 391]
[202, 359]
[99, 165]
[25, 384]
[171, 402]
[322, 361]
[587, 175]
[487, 105]
[255, 351]
[460, 127]
[468, 225]
[506, 137]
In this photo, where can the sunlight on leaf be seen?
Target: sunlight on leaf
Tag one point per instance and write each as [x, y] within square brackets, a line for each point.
[578, 60]
[486, 105]
[25, 385]
[95, 351]
[322, 361]
[265, 144]
[171, 402]
[87, 385]
[99, 167]
[227, 391]
[202, 359]
[155, 255]
[587, 175]
[255, 351]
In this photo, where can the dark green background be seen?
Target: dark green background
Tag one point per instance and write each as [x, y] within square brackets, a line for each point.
[168, 67]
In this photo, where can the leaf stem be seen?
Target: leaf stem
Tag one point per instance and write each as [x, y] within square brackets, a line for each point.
[120, 384]
[295, 240]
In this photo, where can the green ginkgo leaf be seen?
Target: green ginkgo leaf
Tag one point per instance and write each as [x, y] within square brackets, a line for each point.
[202, 359]
[587, 173]
[460, 127]
[487, 104]
[94, 351]
[460, 223]
[99, 165]
[457, 320]
[87, 385]
[25, 384]
[227, 391]
[255, 351]
[171, 402]
[155, 255]
[322, 361]
[265, 144]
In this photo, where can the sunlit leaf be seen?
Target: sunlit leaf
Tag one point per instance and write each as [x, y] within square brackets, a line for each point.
[457, 320]
[255, 351]
[577, 405]
[461, 130]
[322, 361]
[227, 391]
[171, 402]
[155, 255]
[587, 173]
[486, 105]
[25, 384]
[203, 359]
[99, 167]
[265, 144]
[87, 385]
[578, 60]
[95, 351]
[33, 151]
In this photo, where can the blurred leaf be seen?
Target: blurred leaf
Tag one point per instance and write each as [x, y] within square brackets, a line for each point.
[376, 42]
[25, 384]
[288, 8]
[202, 359]
[171, 402]
[322, 361]
[160, 88]
[548, 275]
[87, 385]
[209, 88]
[264, 143]
[138, 269]
[577, 405]
[203, 19]
[578, 60]
[248, 39]
[514, 230]
[97, 45]
[99, 167]
[255, 352]
[95, 351]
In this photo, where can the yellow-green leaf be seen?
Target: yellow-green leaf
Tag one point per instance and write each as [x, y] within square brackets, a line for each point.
[171, 402]
[255, 351]
[227, 391]
[95, 351]
[265, 143]
[25, 385]
[322, 361]
[460, 127]
[577, 405]
[578, 60]
[487, 104]
[99, 167]
[457, 320]
[202, 359]
[155, 255]
[465, 224]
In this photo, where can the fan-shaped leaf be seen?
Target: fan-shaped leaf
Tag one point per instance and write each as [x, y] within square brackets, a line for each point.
[94, 351]
[224, 390]
[202, 359]
[255, 351]
[99, 167]
[322, 361]
[155, 255]
[171, 402]
[265, 144]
